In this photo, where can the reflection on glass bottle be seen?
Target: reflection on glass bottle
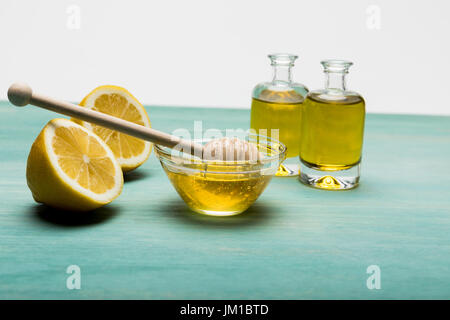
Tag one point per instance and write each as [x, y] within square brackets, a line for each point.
[332, 132]
[278, 105]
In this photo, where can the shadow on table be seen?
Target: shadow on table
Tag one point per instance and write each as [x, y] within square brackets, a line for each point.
[73, 219]
[135, 175]
[255, 215]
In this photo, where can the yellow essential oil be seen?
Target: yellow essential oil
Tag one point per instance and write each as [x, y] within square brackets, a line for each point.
[332, 132]
[281, 111]
[218, 193]
[277, 110]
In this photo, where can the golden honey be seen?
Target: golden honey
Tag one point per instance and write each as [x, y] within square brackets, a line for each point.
[218, 193]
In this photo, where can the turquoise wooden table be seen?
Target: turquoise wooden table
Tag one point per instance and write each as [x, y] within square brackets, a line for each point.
[294, 243]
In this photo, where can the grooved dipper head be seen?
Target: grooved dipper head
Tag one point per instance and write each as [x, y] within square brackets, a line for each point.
[231, 149]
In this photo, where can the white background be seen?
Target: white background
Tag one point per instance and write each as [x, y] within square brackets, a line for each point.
[212, 53]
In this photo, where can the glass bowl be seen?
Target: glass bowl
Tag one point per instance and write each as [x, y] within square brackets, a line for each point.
[222, 188]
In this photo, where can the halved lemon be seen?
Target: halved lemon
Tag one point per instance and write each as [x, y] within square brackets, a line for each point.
[70, 167]
[130, 152]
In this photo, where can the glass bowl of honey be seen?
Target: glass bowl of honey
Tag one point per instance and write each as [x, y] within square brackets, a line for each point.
[226, 187]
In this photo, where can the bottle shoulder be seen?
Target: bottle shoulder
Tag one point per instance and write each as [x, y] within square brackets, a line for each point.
[300, 88]
[335, 96]
[280, 92]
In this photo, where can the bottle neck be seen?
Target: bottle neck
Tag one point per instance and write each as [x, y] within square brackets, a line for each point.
[335, 81]
[282, 74]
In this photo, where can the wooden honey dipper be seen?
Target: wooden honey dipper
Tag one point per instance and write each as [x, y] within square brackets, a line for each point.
[234, 149]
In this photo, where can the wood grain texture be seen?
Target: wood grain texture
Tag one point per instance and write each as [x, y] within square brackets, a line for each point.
[295, 242]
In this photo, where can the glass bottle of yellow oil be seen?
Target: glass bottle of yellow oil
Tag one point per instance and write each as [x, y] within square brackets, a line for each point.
[332, 132]
[276, 110]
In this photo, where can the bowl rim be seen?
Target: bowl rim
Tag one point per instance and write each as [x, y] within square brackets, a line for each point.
[166, 153]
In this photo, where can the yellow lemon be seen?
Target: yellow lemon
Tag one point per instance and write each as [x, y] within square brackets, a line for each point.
[130, 152]
[70, 167]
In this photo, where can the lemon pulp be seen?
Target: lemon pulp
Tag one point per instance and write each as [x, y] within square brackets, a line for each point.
[71, 168]
[130, 152]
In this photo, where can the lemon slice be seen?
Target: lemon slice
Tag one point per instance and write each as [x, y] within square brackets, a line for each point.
[70, 167]
[130, 152]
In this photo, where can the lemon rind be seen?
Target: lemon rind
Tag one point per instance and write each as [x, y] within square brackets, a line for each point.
[105, 197]
[88, 102]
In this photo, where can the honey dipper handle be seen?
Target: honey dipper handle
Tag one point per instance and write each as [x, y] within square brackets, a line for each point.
[21, 94]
